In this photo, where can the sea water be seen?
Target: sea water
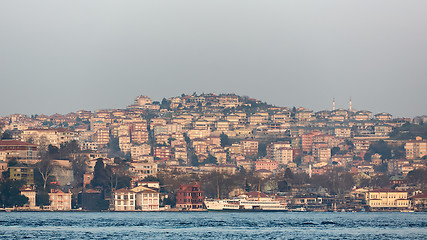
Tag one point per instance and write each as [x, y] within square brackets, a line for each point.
[212, 225]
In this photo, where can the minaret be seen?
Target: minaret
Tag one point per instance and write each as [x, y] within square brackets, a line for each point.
[333, 105]
[350, 105]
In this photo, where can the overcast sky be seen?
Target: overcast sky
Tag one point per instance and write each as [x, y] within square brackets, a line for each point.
[63, 56]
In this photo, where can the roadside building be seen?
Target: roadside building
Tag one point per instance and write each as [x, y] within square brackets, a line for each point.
[265, 164]
[59, 200]
[124, 200]
[189, 197]
[147, 199]
[385, 199]
[249, 147]
[25, 174]
[17, 149]
[416, 148]
[30, 193]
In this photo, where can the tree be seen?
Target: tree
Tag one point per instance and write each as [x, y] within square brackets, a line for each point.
[297, 160]
[45, 168]
[335, 150]
[120, 181]
[350, 145]
[194, 161]
[398, 151]
[288, 174]
[215, 184]
[150, 179]
[283, 186]
[114, 148]
[210, 160]
[225, 141]
[379, 147]
[79, 168]
[262, 149]
[418, 177]
[6, 135]
[383, 168]
[12, 162]
[10, 195]
[53, 152]
[101, 177]
[68, 149]
[42, 198]
[165, 104]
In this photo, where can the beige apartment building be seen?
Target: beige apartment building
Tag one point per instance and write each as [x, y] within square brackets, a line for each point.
[53, 136]
[140, 150]
[124, 200]
[416, 148]
[249, 147]
[141, 170]
[147, 199]
[102, 137]
[283, 155]
[139, 136]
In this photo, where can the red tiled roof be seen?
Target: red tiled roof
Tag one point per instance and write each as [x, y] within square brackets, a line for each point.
[422, 195]
[15, 143]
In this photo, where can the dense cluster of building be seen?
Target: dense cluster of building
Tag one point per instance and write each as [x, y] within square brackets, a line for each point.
[199, 134]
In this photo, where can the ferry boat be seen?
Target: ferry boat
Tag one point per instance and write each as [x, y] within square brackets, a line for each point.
[249, 202]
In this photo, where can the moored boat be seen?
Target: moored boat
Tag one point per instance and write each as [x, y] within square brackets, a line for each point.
[254, 201]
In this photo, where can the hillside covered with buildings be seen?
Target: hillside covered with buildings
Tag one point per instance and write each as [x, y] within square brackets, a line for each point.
[150, 155]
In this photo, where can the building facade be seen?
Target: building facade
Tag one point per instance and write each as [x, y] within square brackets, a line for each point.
[189, 197]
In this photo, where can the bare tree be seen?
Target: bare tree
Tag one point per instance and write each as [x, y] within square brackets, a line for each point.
[79, 168]
[45, 167]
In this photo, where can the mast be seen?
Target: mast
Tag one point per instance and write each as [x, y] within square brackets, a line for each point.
[217, 185]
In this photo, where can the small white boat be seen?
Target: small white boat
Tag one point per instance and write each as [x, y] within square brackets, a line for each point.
[299, 209]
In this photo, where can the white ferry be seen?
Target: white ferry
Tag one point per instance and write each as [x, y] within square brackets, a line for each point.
[251, 202]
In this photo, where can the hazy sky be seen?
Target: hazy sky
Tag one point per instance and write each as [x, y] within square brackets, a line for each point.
[63, 56]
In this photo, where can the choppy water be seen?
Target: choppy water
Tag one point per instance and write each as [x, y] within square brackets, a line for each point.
[212, 225]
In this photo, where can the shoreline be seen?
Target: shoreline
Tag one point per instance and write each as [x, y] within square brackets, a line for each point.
[204, 210]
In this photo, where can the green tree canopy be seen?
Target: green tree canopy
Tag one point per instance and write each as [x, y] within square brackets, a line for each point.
[379, 147]
[42, 198]
[10, 195]
[101, 177]
[210, 160]
[225, 141]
